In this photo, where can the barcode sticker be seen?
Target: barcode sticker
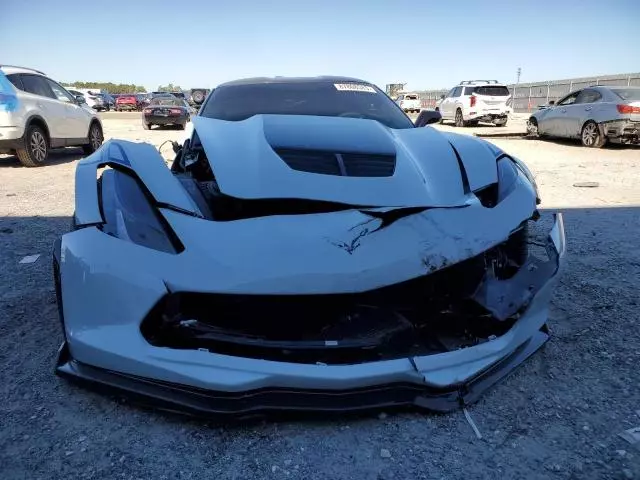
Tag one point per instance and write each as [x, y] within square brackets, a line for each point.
[354, 87]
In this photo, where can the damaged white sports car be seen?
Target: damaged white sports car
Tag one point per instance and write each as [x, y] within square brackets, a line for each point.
[310, 248]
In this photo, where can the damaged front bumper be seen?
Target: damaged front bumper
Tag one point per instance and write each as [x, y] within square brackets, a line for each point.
[117, 357]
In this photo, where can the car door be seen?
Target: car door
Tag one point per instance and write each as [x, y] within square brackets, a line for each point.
[563, 112]
[581, 111]
[554, 121]
[39, 93]
[445, 106]
[76, 117]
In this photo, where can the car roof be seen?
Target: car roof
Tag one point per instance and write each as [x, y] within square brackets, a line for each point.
[9, 69]
[268, 80]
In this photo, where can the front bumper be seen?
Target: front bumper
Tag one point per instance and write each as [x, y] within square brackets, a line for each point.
[487, 116]
[114, 355]
[126, 106]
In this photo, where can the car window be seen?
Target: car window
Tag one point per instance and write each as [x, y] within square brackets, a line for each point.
[36, 85]
[457, 91]
[237, 102]
[412, 97]
[588, 96]
[492, 91]
[469, 90]
[59, 92]
[450, 94]
[628, 94]
[569, 99]
[16, 81]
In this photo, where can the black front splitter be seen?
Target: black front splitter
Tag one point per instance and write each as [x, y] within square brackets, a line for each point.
[214, 404]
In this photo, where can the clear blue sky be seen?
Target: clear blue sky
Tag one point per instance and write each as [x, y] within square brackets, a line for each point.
[427, 43]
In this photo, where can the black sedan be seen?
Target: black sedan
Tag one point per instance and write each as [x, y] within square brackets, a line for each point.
[166, 110]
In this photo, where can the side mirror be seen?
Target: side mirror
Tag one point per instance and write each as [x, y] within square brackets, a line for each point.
[427, 117]
[441, 97]
[552, 103]
[80, 99]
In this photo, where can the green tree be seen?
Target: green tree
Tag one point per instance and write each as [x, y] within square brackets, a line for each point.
[109, 87]
[169, 88]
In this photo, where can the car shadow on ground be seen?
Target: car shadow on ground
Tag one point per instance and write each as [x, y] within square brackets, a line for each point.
[56, 157]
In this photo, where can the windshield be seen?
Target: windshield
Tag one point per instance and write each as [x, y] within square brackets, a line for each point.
[628, 94]
[167, 101]
[322, 98]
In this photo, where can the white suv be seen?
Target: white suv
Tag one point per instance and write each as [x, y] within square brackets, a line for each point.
[476, 101]
[37, 114]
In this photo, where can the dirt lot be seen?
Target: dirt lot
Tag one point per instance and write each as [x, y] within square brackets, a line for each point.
[556, 417]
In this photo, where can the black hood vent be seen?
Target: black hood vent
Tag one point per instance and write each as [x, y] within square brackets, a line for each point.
[339, 164]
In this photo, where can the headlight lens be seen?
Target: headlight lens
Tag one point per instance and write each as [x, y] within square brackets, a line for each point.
[507, 177]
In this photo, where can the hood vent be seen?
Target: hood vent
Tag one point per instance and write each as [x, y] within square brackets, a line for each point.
[339, 164]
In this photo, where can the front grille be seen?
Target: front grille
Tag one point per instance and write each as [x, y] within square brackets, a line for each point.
[339, 164]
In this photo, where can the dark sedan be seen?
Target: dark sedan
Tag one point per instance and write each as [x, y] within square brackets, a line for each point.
[166, 110]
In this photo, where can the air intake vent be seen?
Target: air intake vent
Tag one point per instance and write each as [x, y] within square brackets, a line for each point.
[340, 164]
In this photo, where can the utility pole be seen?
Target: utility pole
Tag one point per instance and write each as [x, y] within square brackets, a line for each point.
[513, 101]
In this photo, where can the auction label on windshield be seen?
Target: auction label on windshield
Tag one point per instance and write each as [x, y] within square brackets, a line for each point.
[354, 87]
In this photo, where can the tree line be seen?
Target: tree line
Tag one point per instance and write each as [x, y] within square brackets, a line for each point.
[109, 87]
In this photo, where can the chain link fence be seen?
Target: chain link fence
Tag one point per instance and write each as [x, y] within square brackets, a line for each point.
[527, 97]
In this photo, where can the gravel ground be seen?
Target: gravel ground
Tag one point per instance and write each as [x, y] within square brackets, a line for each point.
[558, 416]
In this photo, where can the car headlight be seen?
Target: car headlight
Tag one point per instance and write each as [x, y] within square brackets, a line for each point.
[529, 175]
[130, 215]
[507, 177]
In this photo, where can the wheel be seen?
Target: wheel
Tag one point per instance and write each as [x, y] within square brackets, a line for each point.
[460, 119]
[501, 123]
[182, 126]
[36, 147]
[591, 135]
[96, 138]
[146, 126]
[532, 127]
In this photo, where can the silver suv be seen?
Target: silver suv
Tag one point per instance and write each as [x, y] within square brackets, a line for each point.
[37, 114]
[474, 101]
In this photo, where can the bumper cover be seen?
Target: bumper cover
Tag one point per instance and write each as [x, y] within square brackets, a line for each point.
[205, 383]
[209, 403]
[161, 120]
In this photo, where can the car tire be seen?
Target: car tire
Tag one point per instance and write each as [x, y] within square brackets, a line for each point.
[146, 126]
[532, 127]
[96, 137]
[36, 147]
[182, 126]
[591, 135]
[501, 124]
[459, 119]
[197, 96]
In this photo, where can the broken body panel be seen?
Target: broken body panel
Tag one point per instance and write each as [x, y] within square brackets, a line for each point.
[112, 289]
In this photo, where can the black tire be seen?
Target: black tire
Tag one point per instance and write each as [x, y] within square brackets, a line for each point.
[36, 147]
[146, 126]
[501, 123]
[591, 135]
[182, 126]
[96, 137]
[459, 119]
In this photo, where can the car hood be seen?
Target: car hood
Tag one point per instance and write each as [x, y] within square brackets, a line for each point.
[431, 168]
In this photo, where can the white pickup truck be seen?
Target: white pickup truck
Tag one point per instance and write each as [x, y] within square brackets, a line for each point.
[409, 102]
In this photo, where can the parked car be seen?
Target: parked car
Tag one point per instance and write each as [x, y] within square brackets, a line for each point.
[126, 102]
[308, 249]
[166, 110]
[409, 102]
[39, 114]
[474, 101]
[595, 115]
[143, 100]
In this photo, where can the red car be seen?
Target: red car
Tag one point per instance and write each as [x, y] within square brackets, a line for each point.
[126, 102]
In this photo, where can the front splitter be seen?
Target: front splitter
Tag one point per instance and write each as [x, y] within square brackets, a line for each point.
[214, 404]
